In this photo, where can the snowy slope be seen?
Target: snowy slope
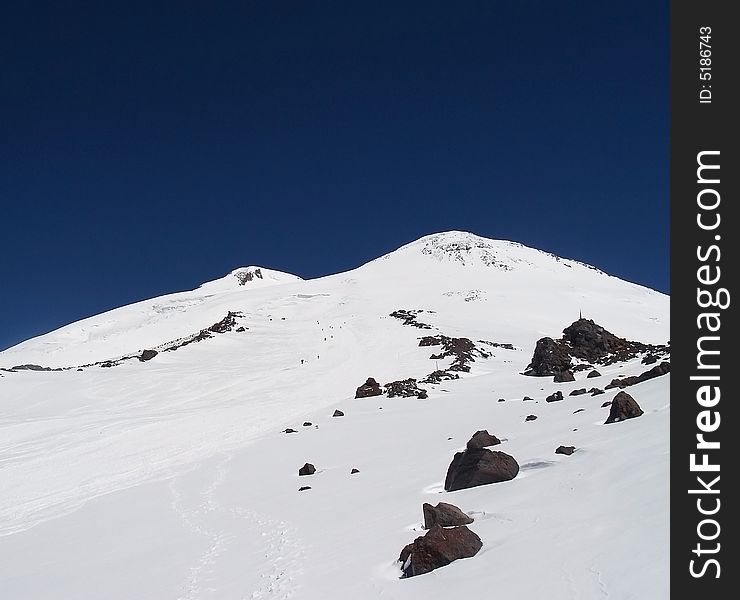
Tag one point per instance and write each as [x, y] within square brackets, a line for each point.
[171, 478]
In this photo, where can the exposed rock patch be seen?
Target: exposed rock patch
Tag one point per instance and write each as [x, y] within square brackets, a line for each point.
[307, 469]
[482, 439]
[479, 466]
[444, 515]
[368, 389]
[623, 407]
[567, 450]
[404, 389]
[658, 370]
[438, 548]
[556, 397]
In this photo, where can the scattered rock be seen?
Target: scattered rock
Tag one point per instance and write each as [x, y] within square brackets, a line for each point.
[409, 318]
[564, 377]
[567, 450]
[594, 391]
[527, 399]
[530, 418]
[482, 439]
[502, 399]
[479, 466]
[404, 389]
[289, 430]
[148, 355]
[338, 413]
[575, 412]
[353, 471]
[579, 392]
[444, 515]
[623, 407]
[438, 548]
[307, 424]
[556, 397]
[592, 374]
[307, 469]
[368, 389]
[609, 403]
[304, 488]
[241, 329]
[658, 370]
[439, 376]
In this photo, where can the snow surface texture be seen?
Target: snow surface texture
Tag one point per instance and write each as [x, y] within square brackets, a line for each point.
[172, 478]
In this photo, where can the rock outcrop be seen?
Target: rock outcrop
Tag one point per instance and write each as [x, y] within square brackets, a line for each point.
[444, 515]
[623, 407]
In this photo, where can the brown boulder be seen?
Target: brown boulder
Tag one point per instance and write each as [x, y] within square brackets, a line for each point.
[368, 389]
[481, 439]
[444, 515]
[479, 466]
[438, 548]
[623, 407]
[567, 450]
[556, 397]
[307, 469]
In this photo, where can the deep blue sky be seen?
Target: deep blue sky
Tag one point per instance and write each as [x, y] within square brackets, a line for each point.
[148, 147]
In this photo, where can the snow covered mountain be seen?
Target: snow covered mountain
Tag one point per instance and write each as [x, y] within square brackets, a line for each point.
[143, 452]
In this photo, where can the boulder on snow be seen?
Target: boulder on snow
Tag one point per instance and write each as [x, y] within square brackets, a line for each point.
[658, 370]
[594, 391]
[593, 373]
[303, 488]
[444, 515]
[338, 413]
[530, 418]
[623, 407]
[606, 404]
[567, 450]
[556, 397]
[481, 439]
[564, 376]
[438, 548]
[148, 355]
[307, 423]
[527, 399]
[353, 471]
[307, 469]
[479, 466]
[368, 389]
[289, 430]
[579, 392]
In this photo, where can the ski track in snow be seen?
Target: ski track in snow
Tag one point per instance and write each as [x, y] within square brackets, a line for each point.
[201, 512]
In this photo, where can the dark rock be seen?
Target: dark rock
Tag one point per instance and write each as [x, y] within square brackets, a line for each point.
[575, 412]
[531, 418]
[527, 399]
[307, 424]
[304, 488]
[338, 413]
[550, 357]
[564, 377]
[567, 450]
[438, 548]
[623, 407]
[307, 469]
[606, 404]
[353, 471]
[593, 373]
[556, 397]
[662, 369]
[594, 391]
[148, 355]
[591, 342]
[482, 439]
[404, 389]
[430, 340]
[444, 515]
[479, 466]
[502, 399]
[289, 430]
[579, 392]
[241, 329]
[439, 376]
[368, 389]
[409, 318]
